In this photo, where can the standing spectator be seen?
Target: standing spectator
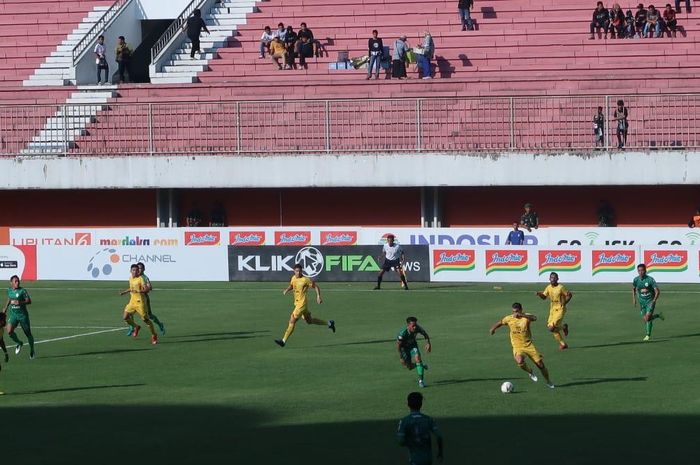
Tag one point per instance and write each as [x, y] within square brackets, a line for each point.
[620, 116]
[195, 24]
[415, 432]
[605, 214]
[376, 49]
[653, 23]
[281, 32]
[601, 20]
[305, 49]
[217, 217]
[617, 22]
[529, 220]
[194, 217]
[465, 15]
[399, 58]
[516, 236]
[640, 19]
[599, 128]
[306, 32]
[678, 6]
[630, 24]
[290, 40]
[123, 56]
[265, 41]
[425, 54]
[101, 60]
[277, 51]
[670, 20]
[695, 221]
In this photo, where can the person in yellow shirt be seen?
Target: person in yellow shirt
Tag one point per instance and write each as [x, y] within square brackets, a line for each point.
[300, 284]
[137, 303]
[558, 296]
[521, 339]
[277, 51]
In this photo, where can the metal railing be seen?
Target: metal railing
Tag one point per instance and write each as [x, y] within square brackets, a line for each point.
[456, 125]
[98, 28]
[175, 29]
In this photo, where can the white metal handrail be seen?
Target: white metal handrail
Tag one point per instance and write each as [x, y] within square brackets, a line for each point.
[98, 28]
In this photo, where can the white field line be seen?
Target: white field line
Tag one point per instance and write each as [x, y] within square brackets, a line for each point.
[73, 327]
[77, 335]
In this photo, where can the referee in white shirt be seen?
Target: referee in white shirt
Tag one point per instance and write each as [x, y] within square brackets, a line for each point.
[393, 258]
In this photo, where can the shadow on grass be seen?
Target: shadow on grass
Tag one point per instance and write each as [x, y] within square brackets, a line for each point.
[680, 336]
[625, 343]
[359, 343]
[589, 381]
[73, 389]
[200, 434]
[101, 352]
[228, 333]
[236, 335]
[446, 382]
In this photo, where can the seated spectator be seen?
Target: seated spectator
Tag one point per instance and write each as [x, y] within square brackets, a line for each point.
[670, 20]
[695, 221]
[427, 50]
[640, 19]
[653, 23]
[306, 32]
[277, 51]
[516, 236]
[398, 62]
[194, 217]
[630, 27]
[605, 214]
[290, 40]
[678, 6]
[529, 220]
[601, 20]
[304, 50]
[617, 22]
[281, 32]
[265, 40]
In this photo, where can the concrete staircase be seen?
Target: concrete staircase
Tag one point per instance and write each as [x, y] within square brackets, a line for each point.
[57, 69]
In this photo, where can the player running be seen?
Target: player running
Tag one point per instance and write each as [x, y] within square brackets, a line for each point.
[300, 284]
[559, 296]
[645, 287]
[521, 339]
[17, 315]
[394, 257]
[137, 304]
[414, 433]
[408, 348]
[149, 288]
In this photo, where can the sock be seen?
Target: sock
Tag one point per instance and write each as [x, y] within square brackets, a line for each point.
[30, 339]
[420, 370]
[14, 337]
[290, 330]
[130, 322]
[557, 335]
[149, 323]
[379, 281]
[2, 345]
[526, 368]
[545, 373]
[318, 321]
[403, 280]
[155, 320]
[648, 325]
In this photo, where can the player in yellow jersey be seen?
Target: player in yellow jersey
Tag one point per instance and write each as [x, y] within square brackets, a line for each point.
[137, 303]
[521, 339]
[300, 284]
[558, 296]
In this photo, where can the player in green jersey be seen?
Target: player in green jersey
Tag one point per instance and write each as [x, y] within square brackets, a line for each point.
[415, 432]
[645, 289]
[17, 315]
[149, 288]
[408, 348]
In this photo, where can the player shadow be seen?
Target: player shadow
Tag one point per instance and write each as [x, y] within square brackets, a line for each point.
[447, 382]
[359, 343]
[625, 343]
[235, 335]
[101, 352]
[227, 333]
[589, 381]
[684, 335]
[73, 389]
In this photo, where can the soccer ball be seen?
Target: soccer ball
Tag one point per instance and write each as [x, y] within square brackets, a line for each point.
[507, 387]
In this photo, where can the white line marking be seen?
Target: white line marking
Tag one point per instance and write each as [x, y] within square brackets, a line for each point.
[77, 335]
[73, 327]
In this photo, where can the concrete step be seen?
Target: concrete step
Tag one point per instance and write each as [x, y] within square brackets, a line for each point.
[173, 78]
[49, 81]
[185, 68]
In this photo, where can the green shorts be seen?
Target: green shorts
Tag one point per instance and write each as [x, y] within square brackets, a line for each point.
[646, 306]
[407, 353]
[18, 318]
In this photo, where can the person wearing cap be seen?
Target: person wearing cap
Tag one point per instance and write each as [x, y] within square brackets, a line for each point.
[399, 58]
[394, 257]
[529, 220]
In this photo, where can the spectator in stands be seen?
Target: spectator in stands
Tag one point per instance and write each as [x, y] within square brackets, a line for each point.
[194, 217]
[601, 20]
[695, 220]
[290, 40]
[670, 22]
[398, 63]
[465, 15]
[653, 23]
[640, 19]
[101, 60]
[516, 236]
[617, 22]
[605, 214]
[678, 6]
[265, 41]
[376, 50]
[306, 32]
[123, 56]
[195, 25]
[599, 128]
[620, 116]
[281, 32]
[217, 217]
[424, 54]
[277, 51]
[304, 50]
[630, 27]
[529, 220]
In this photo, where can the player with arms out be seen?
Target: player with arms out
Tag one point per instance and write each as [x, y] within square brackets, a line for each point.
[558, 296]
[645, 288]
[394, 257]
[149, 288]
[415, 432]
[17, 315]
[300, 284]
[521, 339]
[137, 304]
[408, 348]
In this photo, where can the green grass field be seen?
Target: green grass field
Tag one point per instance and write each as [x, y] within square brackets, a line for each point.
[216, 389]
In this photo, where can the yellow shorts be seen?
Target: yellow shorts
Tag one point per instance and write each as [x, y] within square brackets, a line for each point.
[137, 307]
[529, 351]
[556, 316]
[301, 311]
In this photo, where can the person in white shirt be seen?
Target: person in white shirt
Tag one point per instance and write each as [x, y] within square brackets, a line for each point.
[101, 60]
[265, 40]
[394, 258]
[281, 32]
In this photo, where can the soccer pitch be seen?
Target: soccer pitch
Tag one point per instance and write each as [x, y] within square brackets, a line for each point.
[216, 389]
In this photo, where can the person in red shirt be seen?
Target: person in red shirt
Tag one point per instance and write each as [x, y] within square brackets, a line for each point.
[670, 20]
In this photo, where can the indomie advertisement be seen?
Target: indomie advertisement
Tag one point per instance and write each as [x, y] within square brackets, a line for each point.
[559, 260]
